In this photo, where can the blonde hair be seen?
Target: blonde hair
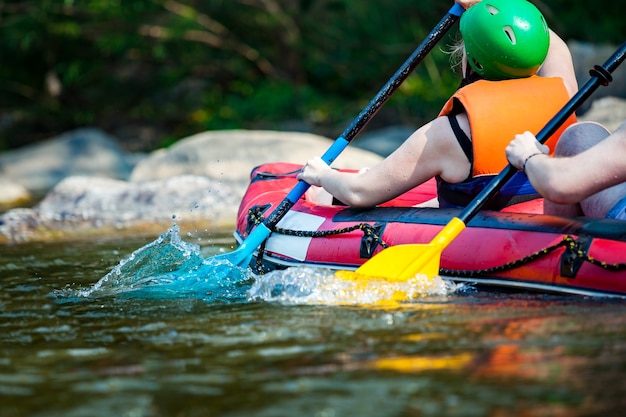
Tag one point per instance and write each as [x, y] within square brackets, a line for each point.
[456, 50]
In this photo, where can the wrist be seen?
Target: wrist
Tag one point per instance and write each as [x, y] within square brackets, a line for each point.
[528, 158]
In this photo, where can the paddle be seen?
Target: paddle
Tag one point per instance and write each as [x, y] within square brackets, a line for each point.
[243, 254]
[402, 262]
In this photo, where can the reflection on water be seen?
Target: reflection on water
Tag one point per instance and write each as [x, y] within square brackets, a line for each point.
[70, 347]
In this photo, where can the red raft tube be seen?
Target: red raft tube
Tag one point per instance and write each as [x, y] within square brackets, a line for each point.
[517, 248]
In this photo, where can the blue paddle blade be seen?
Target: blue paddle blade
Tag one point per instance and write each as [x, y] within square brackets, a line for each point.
[242, 256]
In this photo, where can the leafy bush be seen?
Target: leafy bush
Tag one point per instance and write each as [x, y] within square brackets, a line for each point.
[177, 67]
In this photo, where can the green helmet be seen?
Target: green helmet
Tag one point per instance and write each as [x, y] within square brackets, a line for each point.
[504, 38]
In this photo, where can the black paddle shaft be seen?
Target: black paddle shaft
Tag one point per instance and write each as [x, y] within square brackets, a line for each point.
[600, 75]
[364, 117]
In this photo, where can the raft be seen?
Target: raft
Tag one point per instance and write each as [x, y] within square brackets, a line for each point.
[517, 248]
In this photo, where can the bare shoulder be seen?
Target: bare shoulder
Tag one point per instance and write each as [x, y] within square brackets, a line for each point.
[453, 164]
[442, 128]
[559, 63]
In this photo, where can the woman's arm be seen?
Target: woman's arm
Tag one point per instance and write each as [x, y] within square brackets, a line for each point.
[558, 63]
[431, 150]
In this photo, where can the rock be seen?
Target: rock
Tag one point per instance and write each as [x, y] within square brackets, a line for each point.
[13, 194]
[585, 56]
[80, 206]
[384, 141]
[41, 166]
[21, 225]
[229, 156]
[609, 111]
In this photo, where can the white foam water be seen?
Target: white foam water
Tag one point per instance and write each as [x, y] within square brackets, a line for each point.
[306, 285]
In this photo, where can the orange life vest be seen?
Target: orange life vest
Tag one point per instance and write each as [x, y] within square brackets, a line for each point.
[498, 110]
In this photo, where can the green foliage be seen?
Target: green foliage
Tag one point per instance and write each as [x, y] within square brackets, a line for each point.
[180, 67]
[600, 21]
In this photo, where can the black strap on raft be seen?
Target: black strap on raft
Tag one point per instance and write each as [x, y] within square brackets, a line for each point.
[372, 235]
[571, 261]
[575, 254]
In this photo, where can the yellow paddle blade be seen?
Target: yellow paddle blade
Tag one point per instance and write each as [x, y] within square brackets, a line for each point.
[403, 262]
[397, 262]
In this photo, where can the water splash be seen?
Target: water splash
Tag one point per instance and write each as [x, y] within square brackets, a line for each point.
[305, 285]
[169, 267]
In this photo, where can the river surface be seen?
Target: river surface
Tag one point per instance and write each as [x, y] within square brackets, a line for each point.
[136, 327]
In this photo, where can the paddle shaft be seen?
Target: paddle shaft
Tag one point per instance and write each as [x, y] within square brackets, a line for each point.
[600, 75]
[370, 110]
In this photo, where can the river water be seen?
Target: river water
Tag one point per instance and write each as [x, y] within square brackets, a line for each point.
[143, 327]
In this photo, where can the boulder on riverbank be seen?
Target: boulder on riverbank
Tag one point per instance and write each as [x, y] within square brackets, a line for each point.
[86, 151]
[609, 111]
[228, 156]
[13, 194]
[88, 206]
[585, 56]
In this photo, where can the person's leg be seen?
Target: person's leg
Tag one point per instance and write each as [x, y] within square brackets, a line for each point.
[574, 140]
[599, 204]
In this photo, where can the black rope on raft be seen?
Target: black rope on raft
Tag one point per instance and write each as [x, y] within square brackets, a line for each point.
[568, 242]
[257, 218]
